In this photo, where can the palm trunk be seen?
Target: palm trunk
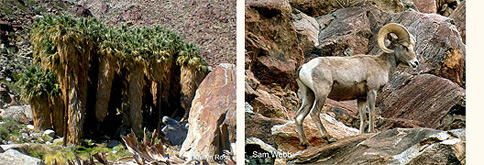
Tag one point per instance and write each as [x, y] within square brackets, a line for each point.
[106, 76]
[189, 80]
[75, 115]
[135, 97]
[57, 110]
[41, 113]
[65, 88]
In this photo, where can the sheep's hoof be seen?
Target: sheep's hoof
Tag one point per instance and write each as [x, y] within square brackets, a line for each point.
[332, 140]
[304, 144]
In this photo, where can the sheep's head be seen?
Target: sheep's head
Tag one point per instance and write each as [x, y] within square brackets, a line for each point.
[404, 46]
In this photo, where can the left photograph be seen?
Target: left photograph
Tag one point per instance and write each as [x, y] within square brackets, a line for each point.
[117, 82]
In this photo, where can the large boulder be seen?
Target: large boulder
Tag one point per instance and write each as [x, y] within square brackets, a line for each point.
[287, 139]
[347, 31]
[13, 156]
[353, 30]
[20, 113]
[269, 100]
[307, 29]
[269, 105]
[433, 101]
[273, 52]
[343, 111]
[212, 115]
[174, 131]
[395, 146]
[259, 126]
[439, 46]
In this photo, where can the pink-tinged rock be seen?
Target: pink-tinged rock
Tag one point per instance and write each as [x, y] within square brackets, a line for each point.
[433, 101]
[395, 146]
[273, 52]
[307, 29]
[212, 115]
[287, 138]
[426, 6]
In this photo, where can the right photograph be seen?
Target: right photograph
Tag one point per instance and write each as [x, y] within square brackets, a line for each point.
[355, 82]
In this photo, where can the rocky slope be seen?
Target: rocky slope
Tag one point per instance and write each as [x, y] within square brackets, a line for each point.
[208, 24]
[431, 97]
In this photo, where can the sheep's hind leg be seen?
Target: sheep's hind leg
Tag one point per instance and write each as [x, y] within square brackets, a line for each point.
[315, 112]
[307, 98]
[361, 111]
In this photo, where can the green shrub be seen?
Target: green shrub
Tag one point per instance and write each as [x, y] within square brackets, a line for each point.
[37, 82]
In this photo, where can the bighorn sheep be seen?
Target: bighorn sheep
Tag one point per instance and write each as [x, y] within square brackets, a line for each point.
[355, 77]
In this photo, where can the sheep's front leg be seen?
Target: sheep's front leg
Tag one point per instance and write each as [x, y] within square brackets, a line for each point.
[371, 104]
[361, 111]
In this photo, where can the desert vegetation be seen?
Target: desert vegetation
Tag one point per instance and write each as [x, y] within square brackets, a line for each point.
[86, 56]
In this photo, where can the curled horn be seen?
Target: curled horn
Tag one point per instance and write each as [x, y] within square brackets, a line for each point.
[395, 28]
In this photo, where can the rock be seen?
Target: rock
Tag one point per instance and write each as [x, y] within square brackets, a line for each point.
[131, 14]
[6, 98]
[251, 81]
[394, 6]
[389, 123]
[307, 29]
[30, 126]
[351, 31]
[256, 149]
[347, 31]
[395, 146]
[343, 111]
[172, 130]
[433, 101]
[426, 6]
[317, 8]
[248, 108]
[212, 115]
[19, 147]
[80, 11]
[49, 132]
[287, 139]
[439, 46]
[269, 105]
[21, 114]
[15, 157]
[459, 16]
[259, 126]
[259, 143]
[36, 135]
[273, 52]
[313, 7]
[268, 101]
[25, 135]
[112, 143]
[58, 141]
